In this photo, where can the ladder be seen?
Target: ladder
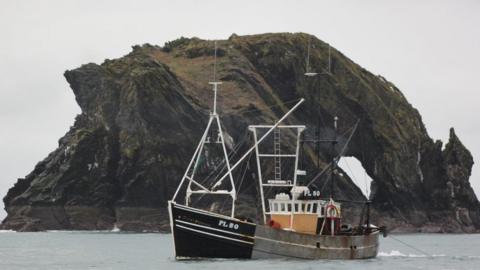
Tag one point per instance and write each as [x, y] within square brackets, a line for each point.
[276, 147]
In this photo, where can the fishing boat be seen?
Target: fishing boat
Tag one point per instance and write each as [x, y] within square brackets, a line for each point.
[296, 221]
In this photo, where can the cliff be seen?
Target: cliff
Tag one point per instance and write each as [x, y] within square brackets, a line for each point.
[143, 114]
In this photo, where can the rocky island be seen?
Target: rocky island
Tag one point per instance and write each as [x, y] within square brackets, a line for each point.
[142, 114]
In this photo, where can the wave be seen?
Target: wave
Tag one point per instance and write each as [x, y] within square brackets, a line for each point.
[396, 253]
[7, 231]
[115, 228]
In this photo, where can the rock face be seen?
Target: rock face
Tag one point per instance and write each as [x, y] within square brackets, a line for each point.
[143, 114]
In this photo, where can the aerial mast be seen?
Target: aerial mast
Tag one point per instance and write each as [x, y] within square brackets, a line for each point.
[333, 156]
[308, 73]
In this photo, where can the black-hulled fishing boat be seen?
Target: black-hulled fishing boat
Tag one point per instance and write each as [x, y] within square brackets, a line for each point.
[296, 221]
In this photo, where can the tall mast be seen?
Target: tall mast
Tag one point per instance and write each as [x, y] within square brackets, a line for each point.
[214, 82]
[190, 173]
[333, 158]
[308, 73]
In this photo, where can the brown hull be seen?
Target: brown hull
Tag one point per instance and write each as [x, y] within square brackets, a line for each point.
[271, 242]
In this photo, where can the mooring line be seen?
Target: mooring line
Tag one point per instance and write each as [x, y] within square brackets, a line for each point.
[410, 246]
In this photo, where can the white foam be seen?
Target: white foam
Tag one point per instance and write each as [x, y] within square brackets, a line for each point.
[115, 228]
[7, 231]
[392, 253]
[396, 253]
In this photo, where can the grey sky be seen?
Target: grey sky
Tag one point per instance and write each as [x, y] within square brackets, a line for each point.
[429, 49]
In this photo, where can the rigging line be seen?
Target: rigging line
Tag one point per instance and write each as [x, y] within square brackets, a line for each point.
[353, 176]
[307, 66]
[362, 143]
[241, 182]
[411, 246]
[338, 156]
[321, 118]
[243, 175]
[366, 184]
[272, 106]
[323, 186]
[234, 151]
[348, 140]
[309, 140]
[319, 175]
[230, 156]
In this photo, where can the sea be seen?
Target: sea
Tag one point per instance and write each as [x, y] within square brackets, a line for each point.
[116, 250]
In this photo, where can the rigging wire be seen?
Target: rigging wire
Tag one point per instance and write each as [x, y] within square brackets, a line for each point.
[223, 164]
[307, 66]
[244, 172]
[411, 246]
[338, 156]
[319, 175]
[218, 171]
[256, 110]
[231, 155]
[364, 171]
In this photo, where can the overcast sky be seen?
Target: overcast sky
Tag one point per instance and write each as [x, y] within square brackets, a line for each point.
[429, 49]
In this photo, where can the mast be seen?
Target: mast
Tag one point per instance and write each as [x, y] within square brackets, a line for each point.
[333, 157]
[308, 73]
[214, 119]
[284, 183]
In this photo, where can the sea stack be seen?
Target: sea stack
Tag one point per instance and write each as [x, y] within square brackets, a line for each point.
[122, 159]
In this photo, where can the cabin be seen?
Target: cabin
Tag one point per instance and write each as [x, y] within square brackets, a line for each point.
[303, 215]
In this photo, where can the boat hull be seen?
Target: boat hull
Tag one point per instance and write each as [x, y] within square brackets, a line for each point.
[201, 234]
[271, 242]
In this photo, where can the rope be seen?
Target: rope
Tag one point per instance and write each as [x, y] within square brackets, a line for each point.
[230, 156]
[241, 182]
[244, 172]
[318, 176]
[254, 110]
[410, 246]
[223, 162]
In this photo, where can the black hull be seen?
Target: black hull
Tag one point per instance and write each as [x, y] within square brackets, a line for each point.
[202, 234]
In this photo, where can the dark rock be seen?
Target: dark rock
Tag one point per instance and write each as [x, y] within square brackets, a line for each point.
[143, 114]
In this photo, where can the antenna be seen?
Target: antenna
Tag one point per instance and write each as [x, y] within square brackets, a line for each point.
[307, 65]
[214, 82]
[334, 161]
[328, 70]
[215, 61]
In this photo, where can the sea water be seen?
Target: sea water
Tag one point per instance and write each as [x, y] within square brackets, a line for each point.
[116, 250]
